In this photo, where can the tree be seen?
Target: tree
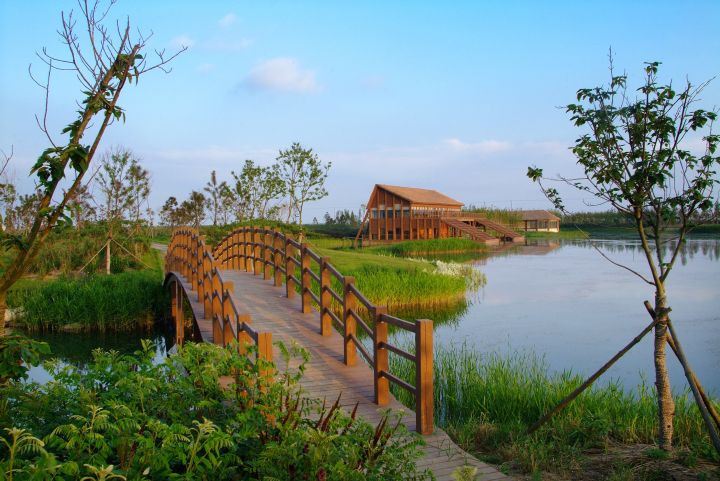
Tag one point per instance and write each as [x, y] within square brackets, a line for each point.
[216, 195]
[256, 187]
[168, 212]
[139, 183]
[194, 208]
[103, 65]
[80, 206]
[304, 176]
[633, 159]
[113, 182]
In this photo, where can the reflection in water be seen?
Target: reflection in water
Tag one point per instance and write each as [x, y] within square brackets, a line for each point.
[75, 349]
[562, 298]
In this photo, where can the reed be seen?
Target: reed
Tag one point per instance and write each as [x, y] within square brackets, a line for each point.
[430, 246]
[485, 400]
[120, 301]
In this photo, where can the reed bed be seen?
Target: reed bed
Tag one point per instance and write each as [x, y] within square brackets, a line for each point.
[120, 301]
[486, 400]
[430, 246]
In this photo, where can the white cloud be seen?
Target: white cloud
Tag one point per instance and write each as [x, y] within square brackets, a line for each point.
[228, 20]
[181, 41]
[283, 74]
[485, 146]
[373, 81]
[206, 67]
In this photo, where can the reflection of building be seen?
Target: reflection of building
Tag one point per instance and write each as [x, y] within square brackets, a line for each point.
[540, 220]
[396, 214]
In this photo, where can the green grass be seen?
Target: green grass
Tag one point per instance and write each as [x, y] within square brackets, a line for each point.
[486, 400]
[119, 301]
[429, 246]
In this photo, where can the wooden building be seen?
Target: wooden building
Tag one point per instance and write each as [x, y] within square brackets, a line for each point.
[397, 214]
[540, 220]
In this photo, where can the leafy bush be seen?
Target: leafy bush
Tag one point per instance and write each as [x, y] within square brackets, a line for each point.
[17, 354]
[126, 417]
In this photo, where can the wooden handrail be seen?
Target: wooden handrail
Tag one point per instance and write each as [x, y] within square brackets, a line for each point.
[267, 251]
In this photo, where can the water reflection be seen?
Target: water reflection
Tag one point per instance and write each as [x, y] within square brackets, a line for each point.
[75, 349]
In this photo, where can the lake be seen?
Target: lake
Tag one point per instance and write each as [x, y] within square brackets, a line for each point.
[561, 298]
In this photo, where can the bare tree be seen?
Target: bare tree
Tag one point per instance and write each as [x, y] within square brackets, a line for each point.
[103, 63]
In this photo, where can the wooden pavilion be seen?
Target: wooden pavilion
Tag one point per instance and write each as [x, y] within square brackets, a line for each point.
[396, 214]
[540, 220]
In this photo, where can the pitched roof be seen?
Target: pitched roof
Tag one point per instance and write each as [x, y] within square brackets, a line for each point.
[420, 196]
[538, 215]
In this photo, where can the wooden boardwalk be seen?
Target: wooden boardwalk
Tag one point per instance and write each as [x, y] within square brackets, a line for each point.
[327, 375]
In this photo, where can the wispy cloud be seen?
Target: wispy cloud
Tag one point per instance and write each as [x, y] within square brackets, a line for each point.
[283, 74]
[228, 20]
[217, 43]
[373, 81]
[181, 41]
[485, 146]
[206, 67]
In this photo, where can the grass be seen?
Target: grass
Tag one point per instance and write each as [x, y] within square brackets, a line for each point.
[429, 246]
[120, 301]
[486, 400]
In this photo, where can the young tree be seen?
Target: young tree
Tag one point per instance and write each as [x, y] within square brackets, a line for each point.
[137, 190]
[256, 187]
[113, 181]
[633, 159]
[194, 208]
[80, 206]
[103, 65]
[215, 192]
[168, 213]
[304, 176]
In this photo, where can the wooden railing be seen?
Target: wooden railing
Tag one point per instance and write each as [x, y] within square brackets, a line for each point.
[278, 256]
[189, 256]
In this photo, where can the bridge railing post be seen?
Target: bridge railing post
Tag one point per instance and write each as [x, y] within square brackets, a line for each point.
[289, 267]
[265, 351]
[235, 251]
[249, 250]
[228, 315]
[180, 315]
[380, 355]
[350, 351]
[201, 269]
[258, 250]
[267, 248]
[325, 298]
[424, 376]
[306, 279]
[244, 338]
[277, 256]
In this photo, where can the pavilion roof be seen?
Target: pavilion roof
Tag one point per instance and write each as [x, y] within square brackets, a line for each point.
[538, 215]
[421, 196]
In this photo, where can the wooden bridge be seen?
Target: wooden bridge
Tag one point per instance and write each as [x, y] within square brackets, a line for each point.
[236, 291]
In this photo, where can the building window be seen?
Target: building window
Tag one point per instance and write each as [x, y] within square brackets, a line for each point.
[397, 211]
[390, 234]
[397, 232]
[532, 224]
[382, 211]
[390, 214]
[553, 224]
[414, 236]
[373, 213]
[543, 224]
[406, 212]
[374, 237]
[422, 233]
[382, 233]
[436, 234]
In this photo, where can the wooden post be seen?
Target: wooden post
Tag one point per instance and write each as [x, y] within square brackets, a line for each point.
[265, 351]
[325, 298]
[179, 316]
[244, 338]
[173, 300]
[228, 315]
[289, 267]
[277, 257]
[349, 321]
[424, 376]
[107, 257]
[305, 280]
[249, 251]
[257, 240]
[267, 247]
[235, 250]
[380, 334]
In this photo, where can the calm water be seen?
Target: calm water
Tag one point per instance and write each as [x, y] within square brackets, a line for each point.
[76, 348]
[563, 299]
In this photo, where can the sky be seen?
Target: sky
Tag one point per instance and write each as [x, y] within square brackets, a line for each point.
[459, 97]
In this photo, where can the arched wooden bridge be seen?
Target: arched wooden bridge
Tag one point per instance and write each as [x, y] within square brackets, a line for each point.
[236, 291]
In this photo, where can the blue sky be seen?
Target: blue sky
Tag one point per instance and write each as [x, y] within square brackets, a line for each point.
[455, 96]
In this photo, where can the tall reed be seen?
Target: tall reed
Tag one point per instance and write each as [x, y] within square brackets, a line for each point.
[119, 301]
[429, 246]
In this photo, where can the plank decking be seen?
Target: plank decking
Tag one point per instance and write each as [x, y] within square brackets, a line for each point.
[326, 375]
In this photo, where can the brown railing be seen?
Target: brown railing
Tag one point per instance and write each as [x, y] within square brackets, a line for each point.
[189, 256]
[266, 251]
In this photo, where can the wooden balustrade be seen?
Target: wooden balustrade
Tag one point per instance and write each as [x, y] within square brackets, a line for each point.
[275, 255]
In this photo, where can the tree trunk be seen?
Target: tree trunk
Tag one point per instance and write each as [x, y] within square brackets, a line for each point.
[666, 405]
[3, 308]
[107, 259]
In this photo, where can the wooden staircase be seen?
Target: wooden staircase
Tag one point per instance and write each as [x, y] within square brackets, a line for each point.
[475, 234]
[507, 233]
